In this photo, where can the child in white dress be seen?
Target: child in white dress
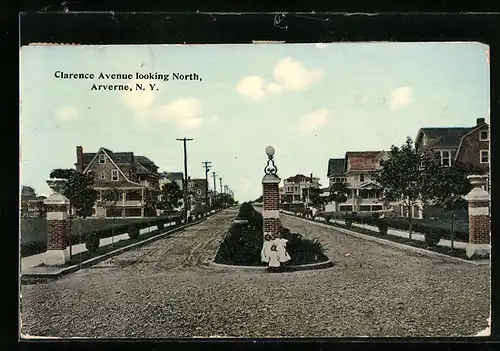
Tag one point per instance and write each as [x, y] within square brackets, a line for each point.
[266, 249]
[274, 261]
[280, 243]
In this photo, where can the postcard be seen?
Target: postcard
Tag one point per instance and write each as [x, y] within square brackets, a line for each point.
[264, 190]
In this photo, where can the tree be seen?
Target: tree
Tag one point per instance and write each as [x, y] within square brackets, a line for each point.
[406, 176]
[170, 197]
[109, 200]
[80, 193]
[338, 194]
[150, 201]
[448, 189]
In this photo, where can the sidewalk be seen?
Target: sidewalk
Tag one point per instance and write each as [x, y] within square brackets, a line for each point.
[36, 260]
[402, 234]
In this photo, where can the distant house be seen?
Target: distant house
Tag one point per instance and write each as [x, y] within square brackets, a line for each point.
[336, 171]
[168, 177]
[197, 189]
[292, 191]
[354, 171]
[468, 145]
[32, 205]
[135, 177]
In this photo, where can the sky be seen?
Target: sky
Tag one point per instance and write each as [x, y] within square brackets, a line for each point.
[311, 102]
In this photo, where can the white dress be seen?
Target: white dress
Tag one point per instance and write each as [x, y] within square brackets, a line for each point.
[274, 259]
[281, 248]
[266, 250]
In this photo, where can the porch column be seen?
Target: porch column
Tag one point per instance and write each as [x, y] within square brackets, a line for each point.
[479, 218]
[57, 206]
[270, 195]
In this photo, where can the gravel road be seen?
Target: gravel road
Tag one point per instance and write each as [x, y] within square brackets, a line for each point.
[164, 290]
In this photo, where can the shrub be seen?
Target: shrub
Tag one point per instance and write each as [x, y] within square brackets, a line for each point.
[383, 227]
[432, 238]
[328, 218]
[92, 242]
[302, 250]
[161, 225]
[133, 232]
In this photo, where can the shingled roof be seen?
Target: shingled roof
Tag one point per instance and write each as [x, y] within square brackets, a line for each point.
[173, 175]
[336, 167]
[445, 137]
[361, 160]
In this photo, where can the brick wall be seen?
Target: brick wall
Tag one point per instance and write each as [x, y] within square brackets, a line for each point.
[271, 196]
[479, 225]
[57, 234]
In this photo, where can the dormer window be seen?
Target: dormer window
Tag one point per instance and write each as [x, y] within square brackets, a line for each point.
[483, 135]
[102, 159]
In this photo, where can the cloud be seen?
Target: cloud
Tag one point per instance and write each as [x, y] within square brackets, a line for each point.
[288, 74]
[400, 97]
[252, 87]
[138, 100]
[67, 113]
[292, 75]
[184, 113]
[313, 121]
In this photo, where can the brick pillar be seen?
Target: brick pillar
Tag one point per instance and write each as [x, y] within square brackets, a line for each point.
[270, 195]
[270, 210]
[479, 218]
[57, 206]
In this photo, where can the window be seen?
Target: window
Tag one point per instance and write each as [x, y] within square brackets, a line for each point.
[361, 177]
[90, 173]
[485, 156]
[483, 135]
[444, 157]
[102, 159]
[103, 175]
[100, 195]
[114, 175]
[198, 191]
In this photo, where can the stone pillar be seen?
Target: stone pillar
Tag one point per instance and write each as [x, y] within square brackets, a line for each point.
[57, 206]
[270, 195]
[479, 218]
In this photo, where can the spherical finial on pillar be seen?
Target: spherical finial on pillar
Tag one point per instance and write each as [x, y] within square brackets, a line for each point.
[270, 151]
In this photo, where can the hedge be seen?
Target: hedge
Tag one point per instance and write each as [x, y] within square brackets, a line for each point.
[426, 226]
[34, 230]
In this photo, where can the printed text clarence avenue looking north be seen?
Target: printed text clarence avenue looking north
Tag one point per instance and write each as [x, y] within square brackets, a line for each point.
[128, 76]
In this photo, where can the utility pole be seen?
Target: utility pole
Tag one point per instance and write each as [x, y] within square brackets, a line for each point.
[221, 197]
[206, 164]
[215, 187]
[185, 140]
[220, 181]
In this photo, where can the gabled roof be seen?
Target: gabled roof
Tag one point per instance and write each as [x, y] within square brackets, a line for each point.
[472, 130]
[369, 185]
[444, 137]
[361, 160]
[336, 167]
[200, 183]
[107, 153]
[143, 160]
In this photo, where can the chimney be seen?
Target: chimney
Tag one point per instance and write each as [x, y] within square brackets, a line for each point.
[79, 159]
[480, 121]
